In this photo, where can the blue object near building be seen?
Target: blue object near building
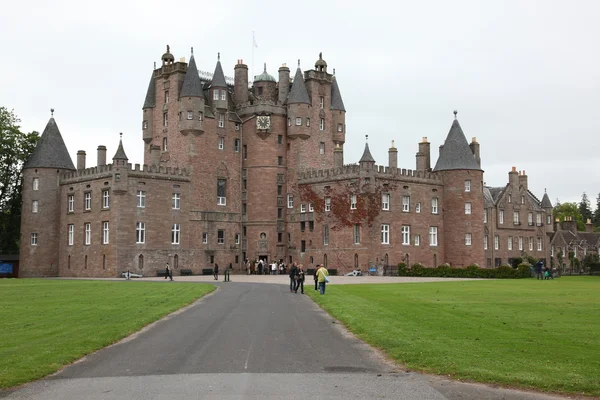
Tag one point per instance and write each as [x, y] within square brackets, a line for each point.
[6, 268]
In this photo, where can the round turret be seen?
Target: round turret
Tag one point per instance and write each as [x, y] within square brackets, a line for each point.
[168, 58]
[264, 77]
[321, 65]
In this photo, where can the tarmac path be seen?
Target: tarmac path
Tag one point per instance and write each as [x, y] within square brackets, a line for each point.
[247, 341]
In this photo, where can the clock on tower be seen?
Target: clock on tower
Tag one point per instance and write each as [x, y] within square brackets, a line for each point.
[263, 122]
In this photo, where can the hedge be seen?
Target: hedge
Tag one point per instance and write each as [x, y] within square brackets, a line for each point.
[472, 271]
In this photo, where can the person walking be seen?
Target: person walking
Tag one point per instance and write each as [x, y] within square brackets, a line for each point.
[273, 268]
[169, 272]
[300, 279]
[316, 277]
[538, 270]
[216, 272]
[292, 277]
[323, 278]
[260, 267]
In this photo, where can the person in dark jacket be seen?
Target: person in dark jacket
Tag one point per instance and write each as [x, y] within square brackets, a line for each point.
[216, 272]
[300, 279]
[316, 277]
[538, 270]
[292, 277]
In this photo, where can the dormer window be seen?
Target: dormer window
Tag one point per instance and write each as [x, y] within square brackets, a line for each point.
[522, 199]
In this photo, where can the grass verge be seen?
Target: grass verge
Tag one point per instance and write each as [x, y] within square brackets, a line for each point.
[524, 333]
[47, 324]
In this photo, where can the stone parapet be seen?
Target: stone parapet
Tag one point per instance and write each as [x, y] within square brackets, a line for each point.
[136, 170]
[380, 171]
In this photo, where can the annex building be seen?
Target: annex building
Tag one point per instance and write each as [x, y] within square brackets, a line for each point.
[236, 171]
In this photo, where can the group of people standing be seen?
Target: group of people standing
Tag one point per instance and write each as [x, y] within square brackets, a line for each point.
[261, 267]
[543, 272]
[298, 276]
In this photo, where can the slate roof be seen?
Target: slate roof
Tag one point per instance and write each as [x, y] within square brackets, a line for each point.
[298, 93]
[336, 98]
[192, 87]
[50, 151]
[150, 101]
[120, 154]
[218, 79]
[367, 157]
[456, 153]
[546, 201]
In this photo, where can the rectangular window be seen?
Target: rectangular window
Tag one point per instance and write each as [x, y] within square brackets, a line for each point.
[307, 121]
[279, 237]
[245, 151]
[327, 204]
[145, 124]
[215, 94]
[302, 226]
[417, 240]
[434, 205]
[176, 201]
[220, 237]
[71, 237]
[175, 233]
[510, 198]
[34, 206]
[548, 219]
[289, 122]
[141, 199]
[88, 233]
[539, 243]
[418, 208]
[538, 219]
[311, 226]
[105, 232]
[467, 208]
[36, 183]
[467, 239]
[223, 94]
[199, 116]
[238, 238]
[385, 201]
[34, 239]
[433, 236]
[356, 233]
[322, 124]
[325, 235]
[165, 119]
[165, 144]
[405, 203]
[105, 199]
[166, 97]
[522, 199]
[516, 217]
[530, 244]
[298, 121]
[71, 203]
[385, 234]
[353, 202]
[302, 207]
[322, 148]
[221, 144]
[501, 217]
[280, 213]
[521, 243]
[509, 243]
[496, 242]
[311, 208]
[236, 145]
[485, 242]
[485, 211]
[405, 234]
[340, 128]
[279, 139]
[244, 208]
[468, 185]
[290, 201]
[87, 203]
[302, 246]
[190, 115]
[221, 121]
[221, 194]
[279, 190]
[140, 232]
[530, 218]
[204, 238]
[279, 160]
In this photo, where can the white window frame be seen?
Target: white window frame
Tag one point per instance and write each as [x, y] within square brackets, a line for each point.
[204, 237]
[509, 243]
[36, 184]
[417, 240]
[165, 119]
[467, 208]
[322, 102]
[140, 232]
[327, 204]
[356, 233]
[176, 201]
[290, 201]
[510, 198]
[322, 124]
[105, 232]
[433, 236]
[87, 227]
[539, 244]
[307, 121]
[221, 121]
[353, 202]
[340, 128]
[468, 239]
[521, 243]
[221, 200]
[385, 201]
[87, 202]
[548, 219]
[221, 144]
[141, 199]
[467, 185]
[105, 199]
[190, 115]
[485, 217]
[238, 238]
[522, 199]
[33, 239]
[311, 207]
[326, 235]
[516, 219]
[496, 242]
[165, 144]
[485, 242]
[71, 234]
[406, 235]
[215, 94]
[302, 208]
[418, 208]
[538, 219]
[501, 217]
[35, 206]
[530, 243]
[405, 203]
[530, 218]
[385, 233]
[435, 205]
[176, 234]
[71, 203]
[322, 148]
[223, 94]
[298, 121]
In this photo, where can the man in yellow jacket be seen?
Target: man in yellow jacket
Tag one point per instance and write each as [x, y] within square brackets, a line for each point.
[322, 278]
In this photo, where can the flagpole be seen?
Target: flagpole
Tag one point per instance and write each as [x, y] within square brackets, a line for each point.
[253, 43]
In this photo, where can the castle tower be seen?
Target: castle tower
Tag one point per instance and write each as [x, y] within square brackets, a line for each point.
[338, 111]
[547, 206]
[298, 107]
[462, 202]
[240, 86]
[284, 83]
[40, 220]
[147, 111]
[218, 87]
[120, 169]
[265, 86]
[191, 101]
[367, 162]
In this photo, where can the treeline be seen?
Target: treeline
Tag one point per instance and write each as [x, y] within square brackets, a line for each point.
[580, 212]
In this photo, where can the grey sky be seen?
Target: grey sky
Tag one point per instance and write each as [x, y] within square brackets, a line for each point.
[524, 75]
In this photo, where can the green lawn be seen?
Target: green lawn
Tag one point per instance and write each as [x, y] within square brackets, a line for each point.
[529, 333]
[46, 324]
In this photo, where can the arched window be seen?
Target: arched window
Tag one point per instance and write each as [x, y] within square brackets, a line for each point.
[356, 261]
[176, 261]
[141, 262]
[325, 260]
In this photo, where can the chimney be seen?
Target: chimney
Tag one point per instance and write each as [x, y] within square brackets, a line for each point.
[523, 180]
[338, 156]
[393, 156]
[154, 155]
[240, 85]
[284, 83]
[589, 227]
[513, 178]
[424, 155]
[475, 150]
[81, 159]
[101, 155]
[569, 225]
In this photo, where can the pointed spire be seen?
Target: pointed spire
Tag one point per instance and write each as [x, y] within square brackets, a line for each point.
[192, 87]
[298, 93]
[218, 79]
[336, 97]
[456, 153]
[50, 151]
[150, 101]
[367, 157]
[546, 201]
[120, 154]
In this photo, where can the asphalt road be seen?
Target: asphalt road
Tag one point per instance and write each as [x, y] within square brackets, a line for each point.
[246, 341]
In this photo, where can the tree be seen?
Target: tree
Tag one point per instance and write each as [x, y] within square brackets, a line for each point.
[596, 217]
[584, 208]
[569, 210]
[15, 149]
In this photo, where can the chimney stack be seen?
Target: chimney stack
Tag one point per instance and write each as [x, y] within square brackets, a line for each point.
[513, 178]
[81, 159]
[284, 83]
[475, 150]
[240, 85]
[101, 155]
[393, 156]
[424, 155]
[154, 155]
[523, 180]
[589, 227]
[338, 156]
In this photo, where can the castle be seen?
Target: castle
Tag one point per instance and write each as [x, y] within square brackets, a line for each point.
[234, 172]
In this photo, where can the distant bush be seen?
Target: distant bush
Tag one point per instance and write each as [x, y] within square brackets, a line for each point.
[472, 271]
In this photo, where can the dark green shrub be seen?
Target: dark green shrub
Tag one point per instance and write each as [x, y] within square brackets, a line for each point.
[402, 269]
[472, 271]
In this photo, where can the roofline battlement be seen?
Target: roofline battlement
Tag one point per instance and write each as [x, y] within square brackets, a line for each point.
[353, 171]
[136, 170]
[90, 173]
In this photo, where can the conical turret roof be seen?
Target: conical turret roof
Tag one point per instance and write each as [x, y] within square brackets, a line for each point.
[150, 101]
[218, 79]
[456, 153]
[298, 93]
[367, 157]
[192, 87]
[120, 154]
[336, 97]
[546, 201]
[50, 151]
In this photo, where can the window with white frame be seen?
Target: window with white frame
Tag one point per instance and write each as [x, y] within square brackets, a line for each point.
[501, 217]
[166, 97]
[36, 183]
[322, 148]
[34, 239]
[71, 234]
[290, 201]
[175, 233]
[215, 94]
[311, 208]
[190, 115]
[385, 201]
[418, 208]
[165, 119]
[307, 121]
[165, 146]
[105, 232]
[434, 205]
[417, 240]
[71, 203]
[221, 144]
[302, 208]
[176, 201]
[236, 145]
[468, 185]
[530, 218]
[548, 219]
[405, 235]
[220, 237]
[353, 202]
[340, 127]
[223, 94]
[87, 202]
[509, 243]
[204, 237]
[510, 198]
[141, 199]
[322, 102]
[539, 243]
[496, 242]
[356, 233]
[298, 121]
[385, 234]
[327, 203]
[289, 122]
[485, 211]
[221, 121]
[530, 244]
[433, 236]
[221, 192]
[405, 203]
[105, 199]
[34, 206]
[237, 238]
[538, 219]
[322, 124]
[516, 217]
[467, 208]
[140, 232]
[522, 199]
[87, 227]
[467, 239]
[326, 235]
[521, 243]
[485, 242]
